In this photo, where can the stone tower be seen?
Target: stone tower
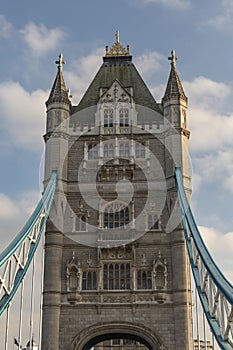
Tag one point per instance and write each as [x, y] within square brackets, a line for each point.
[116, 271]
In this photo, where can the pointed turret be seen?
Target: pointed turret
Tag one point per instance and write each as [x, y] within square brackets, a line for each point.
[174, 100]
[174, 105]
[59, 92]
[174, 87]
[58, 104]
[57, 128]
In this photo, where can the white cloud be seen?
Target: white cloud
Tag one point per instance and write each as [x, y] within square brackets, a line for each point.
[224, 19]
[5, 27]
[207, 93]
[8, 209]
[209, 119]
[216, 168]
[14, 213]
[179, 4]
[22, 114]
[210, 131]
[149, 62]
[220, 246]
[40, 39]
[196, 181]
[83, 71]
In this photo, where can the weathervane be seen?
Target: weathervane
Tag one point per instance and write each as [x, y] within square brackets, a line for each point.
[60, 62]
[173, 57]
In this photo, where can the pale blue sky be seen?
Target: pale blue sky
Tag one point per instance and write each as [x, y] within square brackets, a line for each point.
[33, 33]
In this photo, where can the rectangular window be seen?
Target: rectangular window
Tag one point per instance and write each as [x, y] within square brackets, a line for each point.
[93, 151]
[108, 150]
[124, 150]
[89, 280]
[124, 117]
[144, 279]
[116, 276]
[140, 151]
[80, 224]
[152, 222]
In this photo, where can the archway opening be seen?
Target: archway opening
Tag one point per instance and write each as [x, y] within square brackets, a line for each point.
[117, 341]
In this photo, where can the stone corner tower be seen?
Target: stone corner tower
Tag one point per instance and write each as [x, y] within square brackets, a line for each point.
[116, 270]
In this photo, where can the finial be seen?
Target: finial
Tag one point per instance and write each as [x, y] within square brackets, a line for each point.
[173, 57]
[117, 35]
[73, 255]
[117, 49]
[60, 62]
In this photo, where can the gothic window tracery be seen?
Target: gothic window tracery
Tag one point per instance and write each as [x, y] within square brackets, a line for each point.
[108, 118]
[116, 215]
[116, 276]
[124, 117]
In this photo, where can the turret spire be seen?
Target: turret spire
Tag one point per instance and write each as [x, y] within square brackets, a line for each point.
[174, 87]
[59, 92]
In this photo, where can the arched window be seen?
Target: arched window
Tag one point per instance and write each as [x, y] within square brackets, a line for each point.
[144, 279]
[116, 216]
[92, 151]
[124, 150]
[124, 117]
[116, 276]
[140, 151]
[108, 118]
[108, 150]
[152, 222]
[80, 224]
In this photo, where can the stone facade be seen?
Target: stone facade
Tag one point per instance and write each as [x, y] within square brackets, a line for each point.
[115, 259]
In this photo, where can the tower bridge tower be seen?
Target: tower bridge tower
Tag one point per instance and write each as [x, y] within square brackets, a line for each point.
[116, 271]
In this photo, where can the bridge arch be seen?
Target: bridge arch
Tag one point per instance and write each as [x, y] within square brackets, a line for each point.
[122, 330]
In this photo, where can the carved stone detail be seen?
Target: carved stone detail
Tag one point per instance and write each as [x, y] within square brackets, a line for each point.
[160, 272]
[73, 274]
